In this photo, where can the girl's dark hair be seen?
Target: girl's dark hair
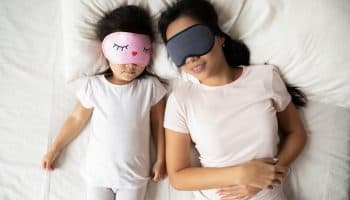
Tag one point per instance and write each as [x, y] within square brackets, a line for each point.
[127, 18]
[236, 52]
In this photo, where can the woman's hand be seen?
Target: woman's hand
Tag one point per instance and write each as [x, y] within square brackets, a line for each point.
[158, 171]
[238, 192]
[262, 173]
[49, 160]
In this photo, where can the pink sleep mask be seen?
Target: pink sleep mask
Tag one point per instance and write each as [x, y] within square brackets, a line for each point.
[127, 48]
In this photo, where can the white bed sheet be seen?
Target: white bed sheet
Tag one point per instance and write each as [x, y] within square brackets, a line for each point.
[30, 93]
[35, 99]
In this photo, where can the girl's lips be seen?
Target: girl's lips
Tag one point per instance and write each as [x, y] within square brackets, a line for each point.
[198, 68]
[130, 72]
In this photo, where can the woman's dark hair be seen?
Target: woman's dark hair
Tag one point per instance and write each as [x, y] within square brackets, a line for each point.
[127, 18]
[236, 52]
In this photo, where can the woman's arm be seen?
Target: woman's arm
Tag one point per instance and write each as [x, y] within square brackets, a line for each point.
[72, 127]
[184, 177]
[290, 123]
[157, 118]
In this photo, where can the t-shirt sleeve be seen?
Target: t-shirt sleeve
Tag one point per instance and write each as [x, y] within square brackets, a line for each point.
[174, 118]
[280, 96]
[84, 94]
[158, 91]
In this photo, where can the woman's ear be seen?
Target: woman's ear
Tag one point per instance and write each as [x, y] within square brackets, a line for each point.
[220, 39]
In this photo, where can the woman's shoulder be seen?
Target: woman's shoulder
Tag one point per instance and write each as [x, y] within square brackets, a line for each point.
[181, 88]
[261, 68]
[261, 71]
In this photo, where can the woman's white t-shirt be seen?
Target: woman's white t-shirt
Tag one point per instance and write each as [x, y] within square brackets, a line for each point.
[118, 152]
[232, 123]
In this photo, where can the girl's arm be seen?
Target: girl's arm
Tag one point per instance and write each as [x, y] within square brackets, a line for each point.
[157, 117]
[72, 127]
[290, 123]
[182, 176]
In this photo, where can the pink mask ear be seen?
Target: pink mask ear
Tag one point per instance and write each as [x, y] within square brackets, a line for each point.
[126, 48]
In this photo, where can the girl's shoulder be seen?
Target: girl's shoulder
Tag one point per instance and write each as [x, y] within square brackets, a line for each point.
[94, 82]
[94, 78]
[149, 81]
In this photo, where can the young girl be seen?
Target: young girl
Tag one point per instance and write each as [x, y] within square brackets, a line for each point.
[231, 116]
[125, 104]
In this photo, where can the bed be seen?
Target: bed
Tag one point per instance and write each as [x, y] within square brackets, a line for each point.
[45, 55]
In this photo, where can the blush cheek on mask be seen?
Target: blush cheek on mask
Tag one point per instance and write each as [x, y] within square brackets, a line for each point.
[197, 40]
[127, 48]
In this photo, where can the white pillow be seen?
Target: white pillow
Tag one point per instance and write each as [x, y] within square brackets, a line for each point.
[308, 40]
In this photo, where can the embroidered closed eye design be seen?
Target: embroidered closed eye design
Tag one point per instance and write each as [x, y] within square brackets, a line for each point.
[146, 50]
[120, 47]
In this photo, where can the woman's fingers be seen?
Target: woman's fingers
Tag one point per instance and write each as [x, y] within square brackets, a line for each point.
[232, 195]
[239, 197]
[279, 178]
[229, 189]
[262, 174]
[271, 161]
[281, 169]
[237, 192]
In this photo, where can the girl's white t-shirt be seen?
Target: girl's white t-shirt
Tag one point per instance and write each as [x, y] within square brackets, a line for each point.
[232, 123]
[118, 152]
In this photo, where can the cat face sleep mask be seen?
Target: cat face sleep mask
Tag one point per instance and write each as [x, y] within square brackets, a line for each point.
[196, 40]
[127, 48]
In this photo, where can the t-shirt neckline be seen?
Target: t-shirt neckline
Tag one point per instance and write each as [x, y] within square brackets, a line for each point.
[234, 82]
[104, 79]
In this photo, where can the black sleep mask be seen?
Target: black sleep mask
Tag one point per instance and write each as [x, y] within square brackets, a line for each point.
[195, 40]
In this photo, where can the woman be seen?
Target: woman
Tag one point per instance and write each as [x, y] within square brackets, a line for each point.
[232, 116]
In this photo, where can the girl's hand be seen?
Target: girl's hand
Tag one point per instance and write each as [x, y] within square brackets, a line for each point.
[158, 171]
[262, 173]
[238, 192]
[49, 160]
